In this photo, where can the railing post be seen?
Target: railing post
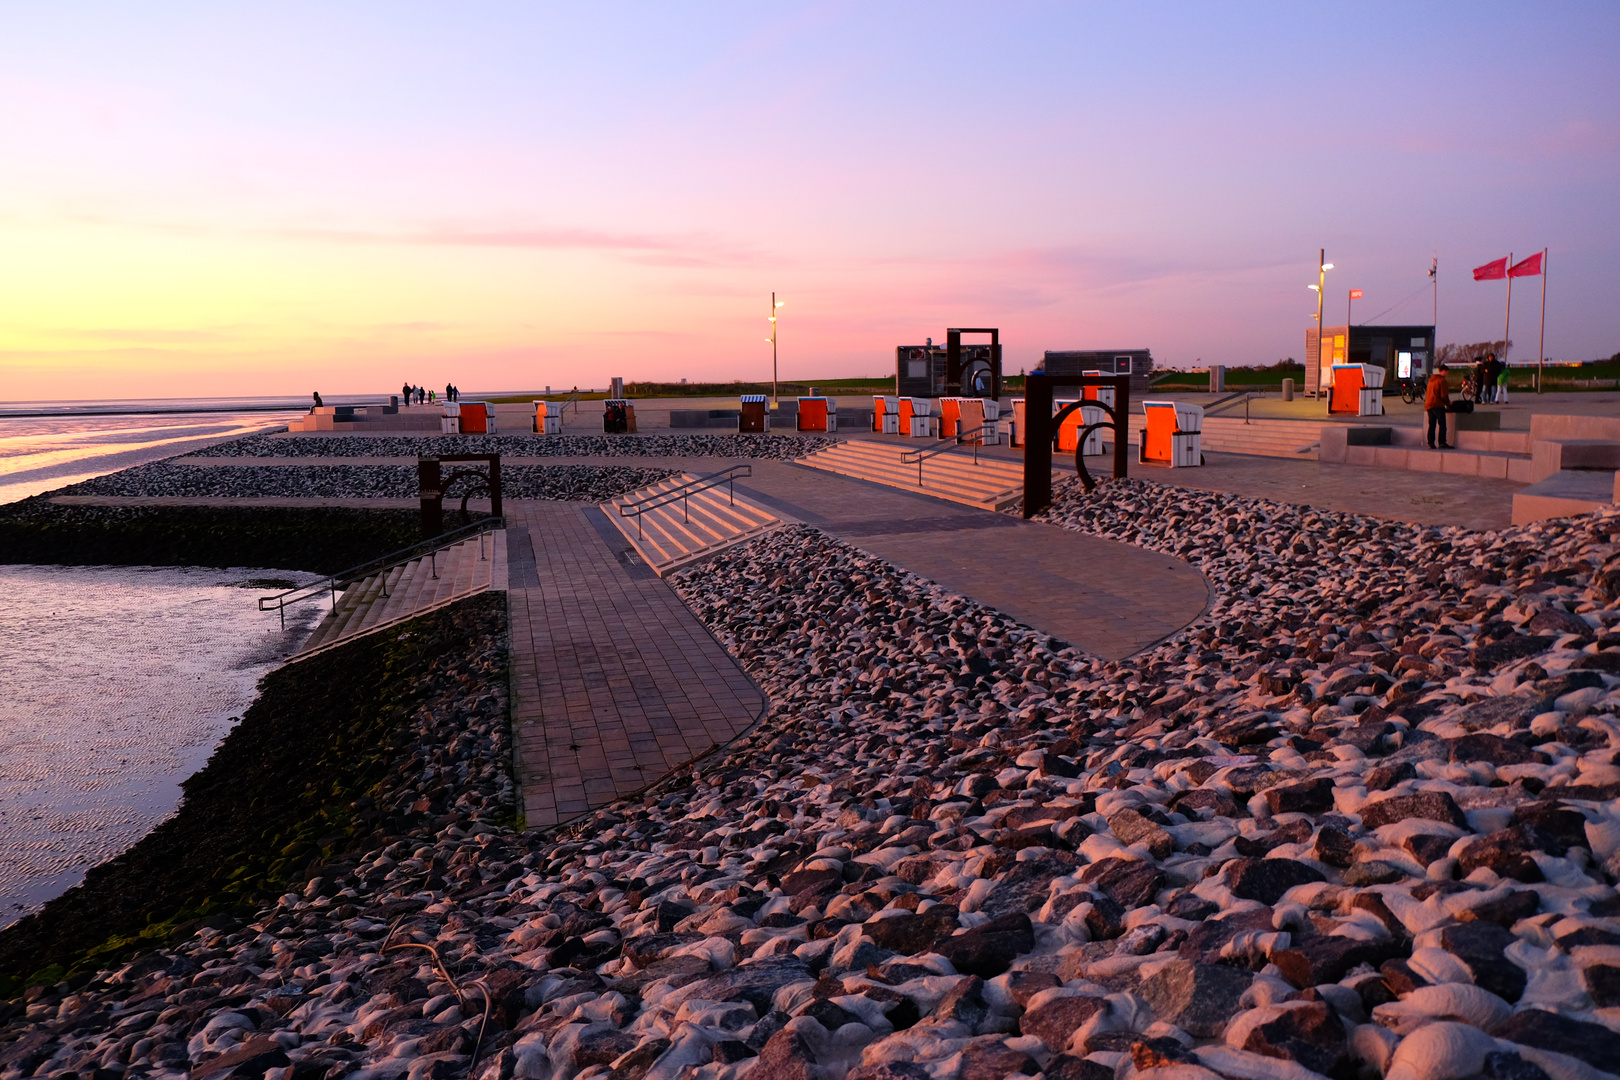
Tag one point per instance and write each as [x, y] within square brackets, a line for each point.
[481, 557]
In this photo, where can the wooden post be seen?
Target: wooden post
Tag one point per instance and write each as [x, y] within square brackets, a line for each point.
[431, 495]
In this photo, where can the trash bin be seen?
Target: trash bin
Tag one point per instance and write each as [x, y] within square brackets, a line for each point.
[754, 418]
[1172, 434]
[547, 418]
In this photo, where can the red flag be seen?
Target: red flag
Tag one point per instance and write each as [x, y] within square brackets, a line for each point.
[1491, 271]
[1528, 268]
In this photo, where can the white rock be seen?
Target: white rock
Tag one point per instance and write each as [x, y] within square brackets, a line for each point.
[1448, 1001]
[1440, 1051]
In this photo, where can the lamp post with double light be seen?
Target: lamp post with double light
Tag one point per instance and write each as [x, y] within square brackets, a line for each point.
[775, 303]
[1322, 267]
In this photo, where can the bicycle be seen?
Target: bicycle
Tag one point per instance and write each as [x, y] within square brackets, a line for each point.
[1413, 389]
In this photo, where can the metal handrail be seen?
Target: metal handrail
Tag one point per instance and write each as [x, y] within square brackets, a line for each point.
[382, 564]
[1231, 401]
[918, 456]
[683, 492]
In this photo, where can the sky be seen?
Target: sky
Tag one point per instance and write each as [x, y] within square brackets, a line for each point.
[233, 199]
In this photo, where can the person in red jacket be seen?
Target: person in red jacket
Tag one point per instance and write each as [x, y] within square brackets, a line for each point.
[1435, 400]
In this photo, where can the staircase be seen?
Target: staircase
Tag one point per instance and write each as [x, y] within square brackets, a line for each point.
[991, 484]
[406, 591]
[1296, 439]
[685, 530]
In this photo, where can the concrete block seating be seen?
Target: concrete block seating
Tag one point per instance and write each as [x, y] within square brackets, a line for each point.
[1575, 462]
[1569, 464]
[338, 418]
[1499, 455]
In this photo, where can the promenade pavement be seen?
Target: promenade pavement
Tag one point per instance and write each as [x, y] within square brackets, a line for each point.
[614, 682]
[1108, 598]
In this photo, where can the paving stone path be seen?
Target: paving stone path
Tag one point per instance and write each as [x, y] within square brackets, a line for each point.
[614, 682]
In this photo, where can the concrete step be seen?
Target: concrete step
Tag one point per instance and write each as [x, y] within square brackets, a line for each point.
[688, 529]
[989, 484]
[406, 591]
[1297, 439]
[1566, 493]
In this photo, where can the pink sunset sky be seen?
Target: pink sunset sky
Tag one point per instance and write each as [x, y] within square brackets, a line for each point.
[231, 200]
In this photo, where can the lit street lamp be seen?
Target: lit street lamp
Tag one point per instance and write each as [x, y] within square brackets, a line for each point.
[1322, 267]
[775, 303]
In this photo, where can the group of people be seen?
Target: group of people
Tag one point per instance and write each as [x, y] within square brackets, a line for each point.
[1491, 377]
[416, 395]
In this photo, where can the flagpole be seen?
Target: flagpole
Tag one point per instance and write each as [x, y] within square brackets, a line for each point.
[1542, 346]
[1507, 319]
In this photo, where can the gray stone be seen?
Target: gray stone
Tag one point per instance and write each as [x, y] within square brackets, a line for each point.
[1198, 998]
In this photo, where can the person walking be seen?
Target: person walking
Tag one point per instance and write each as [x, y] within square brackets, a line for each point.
[449, 392]
[1436, 399]
[1501, 383]
[405, 394]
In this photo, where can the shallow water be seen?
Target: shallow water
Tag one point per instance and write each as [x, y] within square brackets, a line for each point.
[116, 683]
[39, 454]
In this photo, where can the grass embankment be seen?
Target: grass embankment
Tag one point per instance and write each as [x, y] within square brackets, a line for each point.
[798, 388]
[302, 783]
[322, 540]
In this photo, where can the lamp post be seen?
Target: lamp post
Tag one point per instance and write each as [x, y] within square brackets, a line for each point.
[775, 303]
[1322, 267]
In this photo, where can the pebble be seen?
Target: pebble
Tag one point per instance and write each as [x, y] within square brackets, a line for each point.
[943, 854]
[779, 447]
[580, 483]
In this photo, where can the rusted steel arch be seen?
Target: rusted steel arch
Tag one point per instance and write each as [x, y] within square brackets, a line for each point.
[1085, 432]
[1043, 428]
[479, 486]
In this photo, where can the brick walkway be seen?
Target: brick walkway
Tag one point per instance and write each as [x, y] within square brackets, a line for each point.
[614, 681]
[1108, 598]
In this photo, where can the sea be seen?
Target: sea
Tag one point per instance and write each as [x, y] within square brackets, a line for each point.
[117, 683]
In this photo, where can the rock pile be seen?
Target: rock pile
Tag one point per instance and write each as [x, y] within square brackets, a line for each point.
[580, 483]
[772, 447]
[1359, 820]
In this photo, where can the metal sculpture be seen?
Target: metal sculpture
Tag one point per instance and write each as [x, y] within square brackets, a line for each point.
[433, 485]
[1043, 427]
